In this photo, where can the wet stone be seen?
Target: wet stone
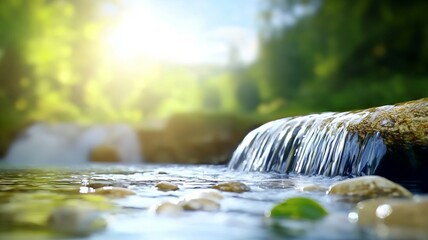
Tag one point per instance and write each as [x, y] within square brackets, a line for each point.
[210, 194]
[368, 187]
[313, 188]
[398, 218]
[168, 209]
[114, 191]
[200, 204]
[76, 220]
[97, 185]
[166, 186]
[237, 187]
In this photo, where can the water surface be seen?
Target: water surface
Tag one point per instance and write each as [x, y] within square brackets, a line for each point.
[28, 194]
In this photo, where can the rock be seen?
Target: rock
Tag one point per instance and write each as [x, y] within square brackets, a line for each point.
[205, 200]
[104, 153]
[168, 209]
[209, 194]
[397, 218]
[76, 220]
[237, 187]
[114, 191]
[389, 141]
[165, 186]
[365, 212]
[368, 187]
[200, 204]
[313, 188]
[401, 124]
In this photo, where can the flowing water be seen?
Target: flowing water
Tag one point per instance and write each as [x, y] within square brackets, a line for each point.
[27, 195]
[317, 144]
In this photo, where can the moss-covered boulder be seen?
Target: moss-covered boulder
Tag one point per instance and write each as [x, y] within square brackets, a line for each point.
[402, 124]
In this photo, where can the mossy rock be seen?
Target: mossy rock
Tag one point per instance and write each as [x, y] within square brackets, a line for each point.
[402, 124]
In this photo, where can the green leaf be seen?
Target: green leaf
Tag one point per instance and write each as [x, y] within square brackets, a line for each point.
[298, 208]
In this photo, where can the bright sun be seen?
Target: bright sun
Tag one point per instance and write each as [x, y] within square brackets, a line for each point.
[144, 33]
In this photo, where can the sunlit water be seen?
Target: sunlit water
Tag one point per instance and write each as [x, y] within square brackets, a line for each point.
[317, 144]
[27, 195]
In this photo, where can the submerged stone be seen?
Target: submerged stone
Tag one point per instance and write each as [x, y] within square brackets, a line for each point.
[368, 187]
[166, 186]
[237, 187]
[312, 188]
[205, 200]
[168, 209]
[114, 191]
[393, 218]
[76, 220]
[210, 194]
[200, 204]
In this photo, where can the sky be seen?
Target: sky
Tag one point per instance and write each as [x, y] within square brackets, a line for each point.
[187, 32]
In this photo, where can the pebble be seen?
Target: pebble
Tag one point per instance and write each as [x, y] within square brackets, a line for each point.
[313, 188]
[114, 191]
[237, 187]
[200, 204]
[168, 209]
[210, 194]
[76, 220]
[368, 187]
[166, 186]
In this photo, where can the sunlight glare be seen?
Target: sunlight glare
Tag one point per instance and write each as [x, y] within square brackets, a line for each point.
[143, 33]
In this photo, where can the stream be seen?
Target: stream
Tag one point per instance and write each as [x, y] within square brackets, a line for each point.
[29, 194]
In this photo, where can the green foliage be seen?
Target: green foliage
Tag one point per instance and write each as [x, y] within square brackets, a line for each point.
[342, 55]
[329, 55]
[298, 208]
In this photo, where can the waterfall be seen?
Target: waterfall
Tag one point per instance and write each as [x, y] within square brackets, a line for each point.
[317, 144]
[67, 143]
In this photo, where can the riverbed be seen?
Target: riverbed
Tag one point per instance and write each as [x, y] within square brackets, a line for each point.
[29, 194]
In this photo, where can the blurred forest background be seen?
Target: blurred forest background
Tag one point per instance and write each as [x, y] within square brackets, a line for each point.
[313, 56]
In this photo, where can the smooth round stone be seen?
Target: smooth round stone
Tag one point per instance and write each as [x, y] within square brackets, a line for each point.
[114, 191]
[76, 220]
[237, 187]
[313, 188]
[406, 214]
[364, 212]
[200, 204]
[210, 194]
[393, 218]
[168, 209]
[166, 186]
[368, 186]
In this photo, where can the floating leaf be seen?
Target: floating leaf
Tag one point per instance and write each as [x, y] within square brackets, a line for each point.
[298, 208]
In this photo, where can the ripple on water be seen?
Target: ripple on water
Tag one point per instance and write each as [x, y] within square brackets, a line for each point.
[27, 196]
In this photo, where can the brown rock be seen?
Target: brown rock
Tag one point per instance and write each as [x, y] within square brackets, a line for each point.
[401, 124]
[166, 186]
[104, 153]
[232, 187]
[114, 191]
[368, 187]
